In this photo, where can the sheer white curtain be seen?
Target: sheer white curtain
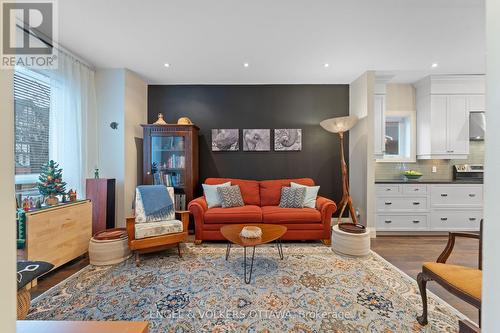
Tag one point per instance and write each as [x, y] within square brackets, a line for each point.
[73, 131]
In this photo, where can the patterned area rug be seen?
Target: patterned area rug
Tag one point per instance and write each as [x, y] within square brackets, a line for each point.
[311, 290]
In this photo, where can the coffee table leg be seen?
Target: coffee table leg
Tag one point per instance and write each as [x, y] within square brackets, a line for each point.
[245, 264]
[228, 249]
[280, 248]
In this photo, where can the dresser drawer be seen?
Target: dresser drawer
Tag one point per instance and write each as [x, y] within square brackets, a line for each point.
[402, 203]
[388, 189]
[455, 220]
[414, 189]
[455, 196]
[402, 222]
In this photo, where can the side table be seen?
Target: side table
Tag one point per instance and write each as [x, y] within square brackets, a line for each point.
[350, 244]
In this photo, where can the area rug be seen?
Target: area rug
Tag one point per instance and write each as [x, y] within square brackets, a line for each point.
[312, 290]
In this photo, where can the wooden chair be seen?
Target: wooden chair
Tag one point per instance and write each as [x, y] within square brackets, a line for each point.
[463, 282]
[157, 243]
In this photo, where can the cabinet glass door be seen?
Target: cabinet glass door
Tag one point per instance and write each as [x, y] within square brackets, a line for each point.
[168, 160]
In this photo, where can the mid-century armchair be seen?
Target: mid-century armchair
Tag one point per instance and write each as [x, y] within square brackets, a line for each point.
[463, 282]
[157, 236]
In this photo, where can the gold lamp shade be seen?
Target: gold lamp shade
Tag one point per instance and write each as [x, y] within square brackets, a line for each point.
[339, 124]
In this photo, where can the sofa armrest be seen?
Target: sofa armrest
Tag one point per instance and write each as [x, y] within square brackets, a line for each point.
[326, 207]
[198, 207]
[199, 204]
[323, 203]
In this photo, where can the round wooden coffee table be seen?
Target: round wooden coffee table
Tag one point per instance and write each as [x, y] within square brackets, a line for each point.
[270, 233]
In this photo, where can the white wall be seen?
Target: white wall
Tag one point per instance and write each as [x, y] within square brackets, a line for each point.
[136, 104]
[491, 245]
[8, 287]
[110, 97]
[361, 162]
[121, 97]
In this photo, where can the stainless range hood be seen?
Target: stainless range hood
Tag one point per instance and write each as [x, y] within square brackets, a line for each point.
[477, 125]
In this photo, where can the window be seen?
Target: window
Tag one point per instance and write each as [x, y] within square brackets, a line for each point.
[400, 136]
[32, 114]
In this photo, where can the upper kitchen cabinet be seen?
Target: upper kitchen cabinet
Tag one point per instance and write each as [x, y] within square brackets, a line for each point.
[443, 107]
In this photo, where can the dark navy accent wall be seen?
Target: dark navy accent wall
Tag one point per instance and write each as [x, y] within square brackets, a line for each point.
[261, 106]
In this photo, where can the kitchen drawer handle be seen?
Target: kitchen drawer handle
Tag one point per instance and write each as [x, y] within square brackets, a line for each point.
[444, 194]
[444, 219]
[416, 221]
[388, 189]
[416, 203]
[388, 203]
[416, 189]
[472, 218]
[472, 195]
[388, 221]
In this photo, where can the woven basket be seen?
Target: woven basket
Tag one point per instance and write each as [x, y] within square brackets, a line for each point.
[23, 303]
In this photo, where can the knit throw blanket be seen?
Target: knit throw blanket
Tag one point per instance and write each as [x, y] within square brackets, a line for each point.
[157, 202]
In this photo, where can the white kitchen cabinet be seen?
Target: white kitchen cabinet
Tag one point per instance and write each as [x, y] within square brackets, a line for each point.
[379, 126]
[457, 125]
[428, 207]
[451, 220]
[443, 129]
[443, 106]
[476, 103]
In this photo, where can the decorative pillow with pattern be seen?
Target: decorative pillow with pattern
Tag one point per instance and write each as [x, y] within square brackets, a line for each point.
[292, 197]
[230, 196]
[311, 194]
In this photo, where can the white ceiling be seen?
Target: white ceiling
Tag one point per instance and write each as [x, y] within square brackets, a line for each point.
[284, 41]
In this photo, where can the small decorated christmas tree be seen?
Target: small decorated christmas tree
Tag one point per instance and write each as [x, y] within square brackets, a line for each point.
[50, 182]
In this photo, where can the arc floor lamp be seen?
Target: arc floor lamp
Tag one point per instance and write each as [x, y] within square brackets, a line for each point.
[341, 125]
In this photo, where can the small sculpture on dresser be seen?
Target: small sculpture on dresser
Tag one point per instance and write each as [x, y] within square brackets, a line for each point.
[251, 232]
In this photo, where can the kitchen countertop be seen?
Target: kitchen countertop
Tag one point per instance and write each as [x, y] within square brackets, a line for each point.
[425, 181]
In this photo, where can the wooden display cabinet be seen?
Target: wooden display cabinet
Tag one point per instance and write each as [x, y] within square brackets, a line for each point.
[171, 158]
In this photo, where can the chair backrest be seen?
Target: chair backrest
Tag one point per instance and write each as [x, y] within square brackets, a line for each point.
[140, 216]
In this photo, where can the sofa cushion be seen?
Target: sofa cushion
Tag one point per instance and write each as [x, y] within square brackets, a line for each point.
[151, 229]
[249, 188]
[275, 214]
[270, 190]
[245, 214]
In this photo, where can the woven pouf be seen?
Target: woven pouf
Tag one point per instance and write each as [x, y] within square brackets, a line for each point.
[109, 247]
[350, 244]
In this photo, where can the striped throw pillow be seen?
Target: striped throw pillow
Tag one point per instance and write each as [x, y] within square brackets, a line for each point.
[230, 196]
[292, 197]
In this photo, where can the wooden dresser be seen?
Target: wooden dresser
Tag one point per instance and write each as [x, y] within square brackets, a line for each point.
[58, 234]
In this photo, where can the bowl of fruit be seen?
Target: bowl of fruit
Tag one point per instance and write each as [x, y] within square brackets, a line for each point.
[412, 174]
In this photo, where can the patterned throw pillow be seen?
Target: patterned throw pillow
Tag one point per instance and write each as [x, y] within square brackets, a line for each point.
[292, 197]
[230, 196]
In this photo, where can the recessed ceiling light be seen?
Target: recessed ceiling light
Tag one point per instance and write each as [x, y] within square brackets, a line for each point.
[326, 65]
[166, 64]
[246, 64]
[435, 65]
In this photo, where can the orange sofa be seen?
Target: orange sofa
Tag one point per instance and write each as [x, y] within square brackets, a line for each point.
[261, 200]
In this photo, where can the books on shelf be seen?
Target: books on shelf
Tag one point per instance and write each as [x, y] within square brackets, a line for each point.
[180, 202]
[171, 179]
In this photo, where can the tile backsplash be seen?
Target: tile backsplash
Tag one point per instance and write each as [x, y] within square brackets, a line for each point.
[387, 171]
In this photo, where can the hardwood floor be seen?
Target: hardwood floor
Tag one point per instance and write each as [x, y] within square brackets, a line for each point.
[405, 252]
[409, 252]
